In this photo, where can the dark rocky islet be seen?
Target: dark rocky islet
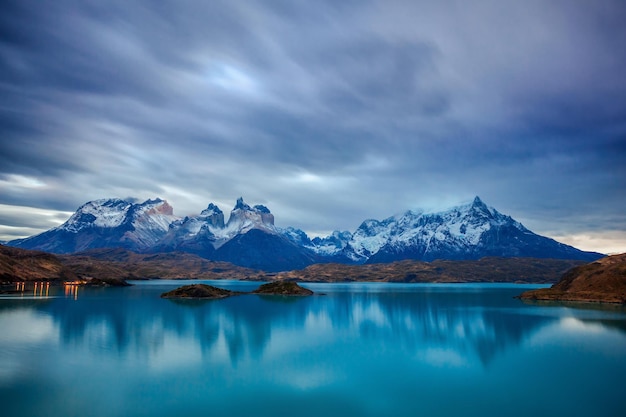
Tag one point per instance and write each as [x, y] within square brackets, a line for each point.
[282, 288]
[198, 291]
[203, 291]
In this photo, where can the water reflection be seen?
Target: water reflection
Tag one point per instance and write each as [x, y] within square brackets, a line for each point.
[71, 289]
[44, 289]
[462, 324]
[467, 324]
[359, 350]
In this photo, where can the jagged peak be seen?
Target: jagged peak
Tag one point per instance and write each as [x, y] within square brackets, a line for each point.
[479, 206]
[240, 205]
[210, 210]
[155, 201]
[250, 217]
[121, 203]
[105, 202]
[261, 209]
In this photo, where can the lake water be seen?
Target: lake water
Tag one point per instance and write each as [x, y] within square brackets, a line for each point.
[359, 350]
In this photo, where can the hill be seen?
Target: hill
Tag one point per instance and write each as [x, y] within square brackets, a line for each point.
[490, 269]
[29, 265]
[601, 281]
[100, 263]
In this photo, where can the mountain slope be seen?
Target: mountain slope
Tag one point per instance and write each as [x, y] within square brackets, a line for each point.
[470, 231]
[121, 263]
[248, 239]
[600, 281]
[27, 265]
[106, 223]
[269, 252]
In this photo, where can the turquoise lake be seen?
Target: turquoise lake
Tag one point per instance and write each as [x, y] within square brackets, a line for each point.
[357, 350]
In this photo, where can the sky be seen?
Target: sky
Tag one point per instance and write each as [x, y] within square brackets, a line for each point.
[327, 112]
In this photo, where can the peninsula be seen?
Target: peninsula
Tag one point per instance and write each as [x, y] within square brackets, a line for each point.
[602, 281]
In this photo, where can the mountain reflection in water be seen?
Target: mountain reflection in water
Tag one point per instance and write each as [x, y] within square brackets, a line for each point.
[449, 319]
[358, 350]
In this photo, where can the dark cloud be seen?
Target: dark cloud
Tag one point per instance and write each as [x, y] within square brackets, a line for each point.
[328, 112]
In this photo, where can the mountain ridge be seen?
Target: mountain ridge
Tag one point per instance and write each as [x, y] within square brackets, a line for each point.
[250, 238]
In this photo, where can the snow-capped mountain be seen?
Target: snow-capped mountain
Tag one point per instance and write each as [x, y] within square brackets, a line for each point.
[250, 238]
[244, 218]
[106, 223]
[326, 249]
[469, 231]
[208, 231]
[193, 234]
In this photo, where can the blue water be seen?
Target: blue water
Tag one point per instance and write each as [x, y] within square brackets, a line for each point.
[358, 350]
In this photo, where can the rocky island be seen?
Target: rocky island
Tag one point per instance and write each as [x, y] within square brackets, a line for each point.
[209, 292]
[603, 281]
[282, 288]
[198, 291]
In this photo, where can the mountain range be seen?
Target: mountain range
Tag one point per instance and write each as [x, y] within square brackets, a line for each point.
[250, 239]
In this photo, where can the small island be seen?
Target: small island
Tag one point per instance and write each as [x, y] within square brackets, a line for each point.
[209, 292]
[198, 291]
[603, 281]
[282, 288]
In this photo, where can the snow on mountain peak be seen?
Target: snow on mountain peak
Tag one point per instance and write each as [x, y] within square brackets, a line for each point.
[240, 205]
[461, 227]
[467, 231]
[244, 218]
[108, 213]
[261, 209]
[209, 225]
[152, 214]
[211, 210]
[115, 212]
[213, 216]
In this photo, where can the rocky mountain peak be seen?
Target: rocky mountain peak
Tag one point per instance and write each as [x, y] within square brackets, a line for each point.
[213, 216]
[244, 217]
[240, 205]
[157, 206]
[108, 213]
[261, 209]
[211, 210]
[477, 202]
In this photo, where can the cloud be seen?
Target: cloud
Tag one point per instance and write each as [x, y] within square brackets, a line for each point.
[327, 112]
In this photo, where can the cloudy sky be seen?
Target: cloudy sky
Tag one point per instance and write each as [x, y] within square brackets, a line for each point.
[328, 112]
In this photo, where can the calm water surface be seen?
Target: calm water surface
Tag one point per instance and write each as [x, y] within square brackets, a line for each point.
[358, 350]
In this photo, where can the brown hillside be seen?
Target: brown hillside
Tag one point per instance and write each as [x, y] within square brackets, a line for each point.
[491, 269]
[600, 281]
[103, 263]
[28, 265]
